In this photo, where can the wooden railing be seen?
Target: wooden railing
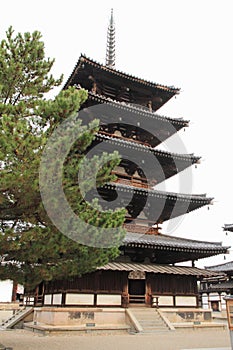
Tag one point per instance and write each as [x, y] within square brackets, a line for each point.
[131, 180]
[145, 143]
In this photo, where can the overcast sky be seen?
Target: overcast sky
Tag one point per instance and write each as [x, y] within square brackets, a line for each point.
[184, 43]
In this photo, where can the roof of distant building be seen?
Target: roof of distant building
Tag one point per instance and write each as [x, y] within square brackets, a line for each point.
[227, 267]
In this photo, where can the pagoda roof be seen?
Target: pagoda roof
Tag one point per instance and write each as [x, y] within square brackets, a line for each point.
[171, 163]
[152, 127]
[178, 123]
[157, 268]
[158, 205]
[177, 243]
[168, 249]
[227, 267]
[86, 68]
[228, 227]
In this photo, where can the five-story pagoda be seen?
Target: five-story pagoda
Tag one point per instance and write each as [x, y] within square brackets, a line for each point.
[145, 272]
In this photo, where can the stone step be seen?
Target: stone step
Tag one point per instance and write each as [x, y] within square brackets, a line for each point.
[150, 320]
[143, 309]
[152, 317]
[147, 313]
[147, 317]
[146, 322]
[155, 330]
[16, 318]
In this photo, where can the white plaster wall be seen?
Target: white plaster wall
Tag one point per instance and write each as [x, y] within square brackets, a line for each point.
[186, 301]
[6, 291]
[164, 300]
[103, 299]
[48, 299]
[79, 299]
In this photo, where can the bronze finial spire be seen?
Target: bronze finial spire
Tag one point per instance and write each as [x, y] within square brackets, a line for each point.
[110, 52]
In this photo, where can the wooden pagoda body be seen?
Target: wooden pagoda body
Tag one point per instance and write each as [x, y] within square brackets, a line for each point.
[145, 272]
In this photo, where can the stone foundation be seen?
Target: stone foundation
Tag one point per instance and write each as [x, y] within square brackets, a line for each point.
[176, 315]
[79, 316]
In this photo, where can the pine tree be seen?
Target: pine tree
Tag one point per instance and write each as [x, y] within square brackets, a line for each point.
[32, 249]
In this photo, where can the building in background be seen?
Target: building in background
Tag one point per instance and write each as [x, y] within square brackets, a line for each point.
[10, 292]
[6, 291]
[213, 290]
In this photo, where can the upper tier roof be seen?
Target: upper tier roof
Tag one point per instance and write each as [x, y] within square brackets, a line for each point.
[157, 206]
[159, 165]
[111, 112]
[121, 86]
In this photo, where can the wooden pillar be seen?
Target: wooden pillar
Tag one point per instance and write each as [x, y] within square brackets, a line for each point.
[125, 291]
[14, 291]
[148, 292]
[63, 299]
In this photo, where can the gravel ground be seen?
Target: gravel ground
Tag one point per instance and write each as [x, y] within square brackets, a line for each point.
[176, 340]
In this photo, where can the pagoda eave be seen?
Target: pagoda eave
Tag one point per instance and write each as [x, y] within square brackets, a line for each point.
[111, 82]
[156, 206]
[162, 248]
[167, 255]
[158, 165]
[132, 121]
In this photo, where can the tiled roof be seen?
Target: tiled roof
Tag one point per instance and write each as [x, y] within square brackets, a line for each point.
[222, 286]
[155, 268]
[139, 147]
[196, 198]
[180, 244]
[227, 267]
[84, 59]
[159, 165]
[137, 109]
[158, 205]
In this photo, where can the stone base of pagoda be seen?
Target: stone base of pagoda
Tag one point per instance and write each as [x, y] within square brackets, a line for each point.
[82, 320]
[45, 329]
[182, 315]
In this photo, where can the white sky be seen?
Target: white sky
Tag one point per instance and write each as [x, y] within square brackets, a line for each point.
[183, 43]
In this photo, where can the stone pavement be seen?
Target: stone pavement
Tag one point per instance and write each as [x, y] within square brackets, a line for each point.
[174, 340]
[209, 349]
